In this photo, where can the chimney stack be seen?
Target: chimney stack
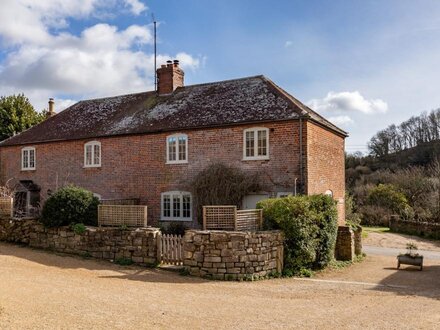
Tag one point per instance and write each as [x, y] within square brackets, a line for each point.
[169, 77]
[51, 108]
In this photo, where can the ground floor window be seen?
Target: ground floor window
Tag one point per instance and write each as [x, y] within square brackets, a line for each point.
[176, 205]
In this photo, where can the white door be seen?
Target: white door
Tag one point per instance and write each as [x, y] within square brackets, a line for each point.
[250, 201]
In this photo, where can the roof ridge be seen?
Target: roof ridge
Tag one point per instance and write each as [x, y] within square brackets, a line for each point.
[113, 97]
[226, 80]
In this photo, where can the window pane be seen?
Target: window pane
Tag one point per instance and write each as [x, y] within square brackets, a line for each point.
[262, 143]
[182, 148]
[172, 149]
[176, 206]
[31, 158]
[96, 154]
[25, 159]
[250, 144]
[166, 206]
[186, 206]
[89, 155]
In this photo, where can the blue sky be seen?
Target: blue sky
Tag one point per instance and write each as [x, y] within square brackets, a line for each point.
[363, 64]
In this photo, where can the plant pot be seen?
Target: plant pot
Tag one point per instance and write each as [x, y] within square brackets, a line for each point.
[410, 260]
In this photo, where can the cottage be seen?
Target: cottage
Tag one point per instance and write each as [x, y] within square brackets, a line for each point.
[148, 146]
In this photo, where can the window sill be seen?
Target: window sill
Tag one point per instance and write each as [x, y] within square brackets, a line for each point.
[28, 169]
[177, 220]
[92, 166]
[177, 162]
[256, 158]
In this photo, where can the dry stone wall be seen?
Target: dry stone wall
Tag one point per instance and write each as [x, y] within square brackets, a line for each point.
[227, 255]
[425, 229]
[139, 245]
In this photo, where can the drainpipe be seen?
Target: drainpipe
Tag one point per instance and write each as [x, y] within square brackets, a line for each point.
[301, 174]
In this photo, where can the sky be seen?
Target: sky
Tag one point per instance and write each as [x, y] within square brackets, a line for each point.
[363, 64]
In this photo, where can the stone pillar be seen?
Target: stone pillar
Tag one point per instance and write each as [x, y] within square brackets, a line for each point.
[344, 244]
[358, 241]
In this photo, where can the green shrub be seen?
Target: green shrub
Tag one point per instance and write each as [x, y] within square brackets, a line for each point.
[79, 228]
[388, 196]
[70, 205]
[124, 261]
[174, 228]
[309, 224]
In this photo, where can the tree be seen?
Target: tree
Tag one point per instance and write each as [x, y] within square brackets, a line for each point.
[16, 115]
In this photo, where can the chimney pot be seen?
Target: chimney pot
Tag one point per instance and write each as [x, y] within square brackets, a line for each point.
[51, 108]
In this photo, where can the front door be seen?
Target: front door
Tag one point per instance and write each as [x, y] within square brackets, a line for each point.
[250, 201]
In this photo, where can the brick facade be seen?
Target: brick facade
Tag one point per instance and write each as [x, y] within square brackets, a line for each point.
[325, 165]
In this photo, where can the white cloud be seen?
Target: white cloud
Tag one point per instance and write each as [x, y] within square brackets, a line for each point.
[136, 6]
[344, 102]
[43, 61]
[341, 120]
[288, 43]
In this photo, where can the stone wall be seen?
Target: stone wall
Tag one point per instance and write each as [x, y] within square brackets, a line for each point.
[139, 245]
[425, 229]
[228, 255]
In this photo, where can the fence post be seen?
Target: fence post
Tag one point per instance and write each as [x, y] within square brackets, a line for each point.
[159, 247]
[235, 218]
[260, 219]
[12, 207]
[204, 217]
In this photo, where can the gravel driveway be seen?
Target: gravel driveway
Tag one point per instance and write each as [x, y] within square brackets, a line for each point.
[47, 291]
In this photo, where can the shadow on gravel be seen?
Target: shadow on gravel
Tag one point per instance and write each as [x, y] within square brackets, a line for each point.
[409, 280]
[66, 261]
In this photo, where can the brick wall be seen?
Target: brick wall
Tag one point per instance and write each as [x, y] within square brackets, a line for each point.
[224, 255]
[325, 166]
[135, 166]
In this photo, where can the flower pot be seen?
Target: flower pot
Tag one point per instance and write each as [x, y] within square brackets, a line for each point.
[413, 260]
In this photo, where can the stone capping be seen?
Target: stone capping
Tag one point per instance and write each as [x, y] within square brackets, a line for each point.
[107, 243]
[233, 255]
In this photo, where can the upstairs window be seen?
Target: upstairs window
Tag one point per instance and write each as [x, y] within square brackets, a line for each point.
[177, 149]
[28, 158]
[92, 154]
[256, 144]
[176, 205]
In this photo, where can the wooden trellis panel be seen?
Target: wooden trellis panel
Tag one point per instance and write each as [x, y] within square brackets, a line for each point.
[118, 215]
[221, 217]
[6, 206]
[226, 217]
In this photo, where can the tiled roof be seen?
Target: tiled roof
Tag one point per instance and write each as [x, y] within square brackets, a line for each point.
[246, 100]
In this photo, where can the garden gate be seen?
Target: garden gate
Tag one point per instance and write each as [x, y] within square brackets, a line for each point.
[170, 249]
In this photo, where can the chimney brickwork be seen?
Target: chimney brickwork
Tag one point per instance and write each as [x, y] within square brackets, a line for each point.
[169, 77]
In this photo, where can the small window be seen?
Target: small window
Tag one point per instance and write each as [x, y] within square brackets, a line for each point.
[28, 159]
[284, 194]
[256, 144]
[328, 193]
[92, 154]
[177, 149]
[176, 206]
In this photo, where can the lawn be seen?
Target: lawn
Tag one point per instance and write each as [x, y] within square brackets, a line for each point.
[367, 230]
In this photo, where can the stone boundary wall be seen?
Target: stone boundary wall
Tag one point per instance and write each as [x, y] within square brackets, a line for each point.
[139, 245]
[229, 255]
[425, 229]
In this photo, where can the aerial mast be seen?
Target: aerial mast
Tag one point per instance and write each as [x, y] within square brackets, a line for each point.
[155, 54]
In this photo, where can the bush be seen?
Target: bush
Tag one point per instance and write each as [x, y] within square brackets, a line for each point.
[221, 184]
[309, 224]
[387, 196]
[174, 228]
[78, 228]
[70, 205]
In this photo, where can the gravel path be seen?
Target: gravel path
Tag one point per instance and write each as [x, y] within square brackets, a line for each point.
[398, 241]
[47, 291]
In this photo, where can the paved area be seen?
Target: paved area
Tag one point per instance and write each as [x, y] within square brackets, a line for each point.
[40, 290]
[386, 251]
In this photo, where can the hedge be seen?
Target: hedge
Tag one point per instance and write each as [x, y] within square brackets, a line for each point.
[310, 227]
[70, 205]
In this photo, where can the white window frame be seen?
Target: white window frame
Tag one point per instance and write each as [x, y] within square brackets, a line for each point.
[27, 167]
[92, 144]
[177, 161]
[256, 130]
[171, 217]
